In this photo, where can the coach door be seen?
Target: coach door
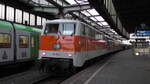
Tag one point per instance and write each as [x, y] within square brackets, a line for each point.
[6, 45]
[23, 46]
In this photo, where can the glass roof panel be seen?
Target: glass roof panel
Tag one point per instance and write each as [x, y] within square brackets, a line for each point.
[100, 24]
[83, 1]
[36, 1]
[71, 2]
[99, 18]
[93, 18]
[77, 2]
[60, 2]
[42, 2]
[85, 13]
[93, 12]
[104, 23]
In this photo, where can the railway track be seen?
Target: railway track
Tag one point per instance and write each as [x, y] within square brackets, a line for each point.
[28, 77]
[34, 76]
[51, 80]
[60, 79]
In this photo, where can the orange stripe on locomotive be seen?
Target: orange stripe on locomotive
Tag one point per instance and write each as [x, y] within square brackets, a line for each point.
[70, 43]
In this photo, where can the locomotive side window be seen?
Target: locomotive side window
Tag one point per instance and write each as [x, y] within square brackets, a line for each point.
[93, 33]
[98, 36]
[5, 40]
[83, 32]
[88, 31]
[23, 41]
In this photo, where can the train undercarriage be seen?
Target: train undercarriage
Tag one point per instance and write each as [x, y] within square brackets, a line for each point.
[57, 66]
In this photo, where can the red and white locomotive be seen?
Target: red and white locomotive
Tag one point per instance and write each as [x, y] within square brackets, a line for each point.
[71, 42]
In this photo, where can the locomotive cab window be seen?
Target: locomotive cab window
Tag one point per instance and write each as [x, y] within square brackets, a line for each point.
[5, 40]
[67, 29]
[61, 29]
[23, 41]
[51, 28]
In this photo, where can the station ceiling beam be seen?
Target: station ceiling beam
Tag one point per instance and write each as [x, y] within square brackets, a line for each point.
[63, 10]
[75, 8]
[52, 10]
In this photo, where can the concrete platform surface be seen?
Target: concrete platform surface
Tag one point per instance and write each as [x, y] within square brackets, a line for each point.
[122, 68]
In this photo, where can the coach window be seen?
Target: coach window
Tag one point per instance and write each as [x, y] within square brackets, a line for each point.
[23, 41]
[32, 42]
[5, 40]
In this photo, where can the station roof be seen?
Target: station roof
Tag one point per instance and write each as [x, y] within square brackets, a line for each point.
[133, 13]
[89, 15]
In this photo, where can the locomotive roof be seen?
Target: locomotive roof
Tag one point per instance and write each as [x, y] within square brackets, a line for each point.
[4, 24]
[68, 21]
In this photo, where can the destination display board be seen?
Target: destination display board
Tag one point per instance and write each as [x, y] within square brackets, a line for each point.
[143, 32]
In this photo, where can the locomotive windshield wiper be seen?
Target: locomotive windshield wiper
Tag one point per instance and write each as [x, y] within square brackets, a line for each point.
[59, 32]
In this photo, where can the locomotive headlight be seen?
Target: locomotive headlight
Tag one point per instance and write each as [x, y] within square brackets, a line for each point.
[137, 54]
[70, 55]
[43, 53]
[56, 46]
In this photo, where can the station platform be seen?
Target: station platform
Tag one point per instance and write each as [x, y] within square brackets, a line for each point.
[122, 68]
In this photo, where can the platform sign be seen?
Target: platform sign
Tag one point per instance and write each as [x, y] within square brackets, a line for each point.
[143, 32]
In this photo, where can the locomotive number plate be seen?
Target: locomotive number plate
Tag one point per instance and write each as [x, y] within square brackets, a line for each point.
[56, 54]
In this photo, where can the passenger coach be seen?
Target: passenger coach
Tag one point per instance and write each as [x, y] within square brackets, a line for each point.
[18, 43]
